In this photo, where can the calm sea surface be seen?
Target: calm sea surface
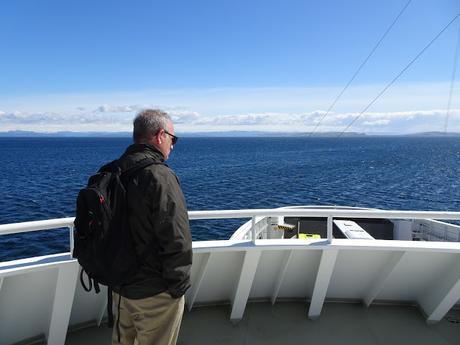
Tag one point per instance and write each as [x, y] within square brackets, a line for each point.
[40, 178]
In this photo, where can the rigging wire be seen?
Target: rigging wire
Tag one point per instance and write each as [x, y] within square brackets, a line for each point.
[452, 82]
[399, 75]
[360, 68]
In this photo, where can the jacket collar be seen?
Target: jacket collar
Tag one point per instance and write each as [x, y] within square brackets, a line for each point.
[146, 149]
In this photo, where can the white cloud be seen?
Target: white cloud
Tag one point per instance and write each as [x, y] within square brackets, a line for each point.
[236, 120]
[105, 118]
[268, 109]
[313, 117]
[184, 117]
[64, 121]
[187, 120]
[388, 121]
[106, 108]
[178, 114]
[407, 117]
[381, 122]
[265, 118]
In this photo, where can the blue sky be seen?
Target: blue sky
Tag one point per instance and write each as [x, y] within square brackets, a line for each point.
[226, 65]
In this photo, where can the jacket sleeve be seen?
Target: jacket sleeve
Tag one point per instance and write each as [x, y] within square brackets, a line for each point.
[172, 233]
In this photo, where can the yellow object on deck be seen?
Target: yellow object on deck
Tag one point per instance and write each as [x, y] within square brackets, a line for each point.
[308, 236]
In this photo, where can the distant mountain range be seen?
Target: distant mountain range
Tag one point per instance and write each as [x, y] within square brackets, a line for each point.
[69, 134]
[62, 134]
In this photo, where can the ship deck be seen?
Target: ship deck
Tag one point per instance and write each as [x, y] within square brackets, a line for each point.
[287, 323]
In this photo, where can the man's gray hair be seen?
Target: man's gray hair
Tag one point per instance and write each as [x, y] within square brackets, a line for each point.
[149, 122]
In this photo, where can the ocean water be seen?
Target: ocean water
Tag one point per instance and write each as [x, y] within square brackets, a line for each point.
[40, 178]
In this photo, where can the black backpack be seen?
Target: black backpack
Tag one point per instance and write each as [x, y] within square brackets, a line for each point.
[102, 237]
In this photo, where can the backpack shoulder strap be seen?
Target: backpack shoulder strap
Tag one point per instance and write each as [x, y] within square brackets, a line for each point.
[144, 163]
[113, 165]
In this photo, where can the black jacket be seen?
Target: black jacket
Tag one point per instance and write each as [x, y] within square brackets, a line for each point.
[159, 225]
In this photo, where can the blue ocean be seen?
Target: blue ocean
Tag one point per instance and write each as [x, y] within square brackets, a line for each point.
[40, 178]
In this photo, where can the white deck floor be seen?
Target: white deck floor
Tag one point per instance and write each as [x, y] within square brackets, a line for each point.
[286, 323]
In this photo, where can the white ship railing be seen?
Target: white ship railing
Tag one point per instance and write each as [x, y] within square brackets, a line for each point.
[330, 214]
[427, 273]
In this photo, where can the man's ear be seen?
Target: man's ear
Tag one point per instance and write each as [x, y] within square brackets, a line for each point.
[158, 137]
[153, 139]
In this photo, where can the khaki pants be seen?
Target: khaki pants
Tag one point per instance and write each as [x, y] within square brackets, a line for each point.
[150, 321]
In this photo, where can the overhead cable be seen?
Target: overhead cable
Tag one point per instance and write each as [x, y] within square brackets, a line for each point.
[452, 81]
[360, 68]
[399, 75]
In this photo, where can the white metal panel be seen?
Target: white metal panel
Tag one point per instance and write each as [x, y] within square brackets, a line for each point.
[103, 311]
[198, 259]
[301, 274]
[414, 274]
[25, 305]
[383, 274]
[267, 273]
[443, 292]
[199, 267]
[221, 277]
[432, 230]
[87, 305]
[355, 271]
[281, 275]
[34, 264]
[402, 230]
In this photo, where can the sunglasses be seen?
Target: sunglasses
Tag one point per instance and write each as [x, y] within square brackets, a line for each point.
[173, 137]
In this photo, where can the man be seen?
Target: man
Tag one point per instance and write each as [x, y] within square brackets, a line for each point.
[150, 307]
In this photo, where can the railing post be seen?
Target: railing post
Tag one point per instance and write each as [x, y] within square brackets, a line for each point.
[329, 229]
[253, 229]
[71, 240]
